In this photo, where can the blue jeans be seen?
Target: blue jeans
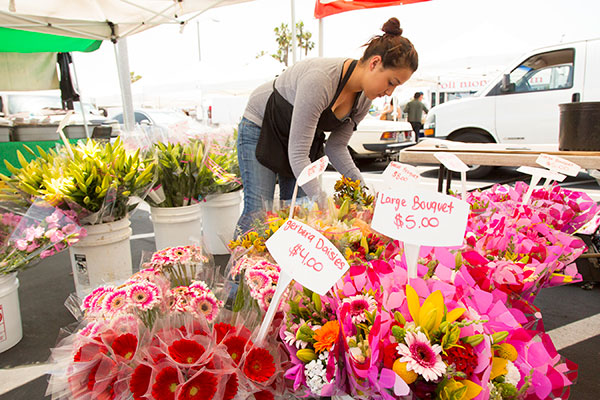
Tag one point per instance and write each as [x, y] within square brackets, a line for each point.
[259, 181]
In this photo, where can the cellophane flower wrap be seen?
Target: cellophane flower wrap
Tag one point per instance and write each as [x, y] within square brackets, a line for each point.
[100, 181]
[28, 235]
[163, 334]
[192, 164]
[466, 328]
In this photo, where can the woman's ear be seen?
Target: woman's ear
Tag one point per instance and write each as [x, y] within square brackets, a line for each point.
[375, 60]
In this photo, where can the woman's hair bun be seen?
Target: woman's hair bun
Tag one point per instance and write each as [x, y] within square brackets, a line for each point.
[392, 27]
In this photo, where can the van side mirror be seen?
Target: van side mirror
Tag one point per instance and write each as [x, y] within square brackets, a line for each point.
[506, 86]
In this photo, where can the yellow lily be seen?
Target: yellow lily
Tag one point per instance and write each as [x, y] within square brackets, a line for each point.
[430, 315]
[472, 391]
[498, 367]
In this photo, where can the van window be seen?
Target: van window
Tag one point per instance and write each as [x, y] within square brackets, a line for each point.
[546, 71]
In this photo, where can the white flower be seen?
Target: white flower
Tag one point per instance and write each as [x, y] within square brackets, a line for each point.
[315, 372]
[513, 376]
[290, 339]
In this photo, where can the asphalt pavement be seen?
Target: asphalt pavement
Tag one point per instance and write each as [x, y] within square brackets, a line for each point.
[570, 314]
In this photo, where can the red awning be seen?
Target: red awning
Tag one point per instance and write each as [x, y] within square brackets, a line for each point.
[324, 8]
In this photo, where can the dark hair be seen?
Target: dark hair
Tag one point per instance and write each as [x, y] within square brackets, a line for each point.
[395, 50]
[418, 94]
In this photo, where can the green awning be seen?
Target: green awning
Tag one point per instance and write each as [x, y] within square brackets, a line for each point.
[18, 41]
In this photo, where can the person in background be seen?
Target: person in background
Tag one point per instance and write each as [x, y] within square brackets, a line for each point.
[414, 109]
[388, 112]
[282, 129]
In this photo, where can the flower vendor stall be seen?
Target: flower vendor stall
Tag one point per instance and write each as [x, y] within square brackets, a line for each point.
[99, 184]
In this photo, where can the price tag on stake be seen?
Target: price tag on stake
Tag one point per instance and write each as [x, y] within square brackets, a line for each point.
[455, 164]
[536, 175]
[558, 164]
[421, 218]
[309, 173]
[306, 256]
[400, 174]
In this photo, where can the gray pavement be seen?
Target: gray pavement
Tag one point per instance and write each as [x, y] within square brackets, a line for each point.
[569, 312]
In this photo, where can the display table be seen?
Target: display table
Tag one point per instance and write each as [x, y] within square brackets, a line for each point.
[493, 154]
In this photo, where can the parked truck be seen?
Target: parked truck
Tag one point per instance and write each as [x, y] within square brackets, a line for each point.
[521, 105]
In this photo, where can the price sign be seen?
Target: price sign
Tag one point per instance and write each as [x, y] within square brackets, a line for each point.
[313, 170]
[400, 174]
[558, 164]
[421, 218]
[451, 162]
[307, 256]
[542, 173]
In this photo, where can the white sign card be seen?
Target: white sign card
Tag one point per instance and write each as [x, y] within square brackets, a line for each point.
[61, 133]
[309, 173]
[400, 174]
[420, 218]
[536, 175]
[453, 163]
[558, 164]
[306, 256]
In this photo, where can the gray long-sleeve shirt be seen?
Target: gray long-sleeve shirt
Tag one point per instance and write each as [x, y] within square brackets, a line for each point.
[310, 86]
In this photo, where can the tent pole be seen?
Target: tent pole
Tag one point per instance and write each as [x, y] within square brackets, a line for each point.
[294, 45]
[321, 42]
[85, 124]
[122, 57]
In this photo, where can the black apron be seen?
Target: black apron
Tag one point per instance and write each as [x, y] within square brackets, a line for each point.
[272, 146]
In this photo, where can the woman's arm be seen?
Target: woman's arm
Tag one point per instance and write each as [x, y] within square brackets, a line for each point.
[310, 101]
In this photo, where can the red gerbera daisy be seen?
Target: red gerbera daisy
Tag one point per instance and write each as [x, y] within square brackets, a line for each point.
[165, 384]
[259, 365]
[186, 351]
[235, 347]
[264, 395]
[140, 379]
[88, 351]
[390, 354]
[221, 329]
[202, 387]
[125, 345]
[463, 358]
[231, 387]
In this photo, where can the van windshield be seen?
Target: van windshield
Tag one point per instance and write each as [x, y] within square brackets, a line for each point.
[18, 103]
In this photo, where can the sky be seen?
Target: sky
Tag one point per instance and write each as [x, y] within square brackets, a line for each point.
[454, 39]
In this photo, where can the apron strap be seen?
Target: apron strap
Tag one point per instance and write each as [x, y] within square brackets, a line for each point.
[343, 81]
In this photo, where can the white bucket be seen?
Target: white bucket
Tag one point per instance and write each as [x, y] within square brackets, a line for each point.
[220, 215]
[11, 329]
[176, 226]
[102, 257]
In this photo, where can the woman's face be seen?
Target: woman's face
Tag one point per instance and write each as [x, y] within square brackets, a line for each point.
[379, 81]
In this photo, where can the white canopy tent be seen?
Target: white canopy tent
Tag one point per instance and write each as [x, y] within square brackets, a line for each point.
[112, 20]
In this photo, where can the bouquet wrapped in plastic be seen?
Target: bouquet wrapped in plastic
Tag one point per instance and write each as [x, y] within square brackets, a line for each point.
[28, 235]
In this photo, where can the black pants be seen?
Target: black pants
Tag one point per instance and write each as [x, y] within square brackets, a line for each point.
[417, 128]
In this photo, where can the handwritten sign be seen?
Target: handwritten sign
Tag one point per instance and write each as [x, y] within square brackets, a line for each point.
[423, 218]
[400, 174]
[542, 173]
[450, 161]
[313, 170]
[307, 256]
[558, 164]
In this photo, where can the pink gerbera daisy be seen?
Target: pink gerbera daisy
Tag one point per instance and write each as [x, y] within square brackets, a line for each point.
[359, 305]
[421, 356]
[143, 295]
[199, 286]
[265, 297]
[208, 305]
[257, 279]
[115, 302]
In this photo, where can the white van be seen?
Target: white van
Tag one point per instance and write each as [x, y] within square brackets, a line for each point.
[521, 106]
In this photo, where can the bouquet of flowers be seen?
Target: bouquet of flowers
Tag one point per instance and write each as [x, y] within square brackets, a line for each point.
[37, 233]
[95, 180]
[189, 171]
[156, 337]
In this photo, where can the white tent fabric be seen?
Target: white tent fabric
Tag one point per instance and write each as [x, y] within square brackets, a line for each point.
[104, 20]
[94, 19]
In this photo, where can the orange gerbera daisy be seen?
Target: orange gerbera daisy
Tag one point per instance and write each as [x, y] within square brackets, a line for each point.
[326, 336]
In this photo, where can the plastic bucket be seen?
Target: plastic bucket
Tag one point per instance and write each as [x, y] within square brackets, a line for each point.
[176, 226]
[579, 127]
[220, 215]
[11, 329]
[102, 257]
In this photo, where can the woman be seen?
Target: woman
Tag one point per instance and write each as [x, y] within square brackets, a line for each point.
[281, 131]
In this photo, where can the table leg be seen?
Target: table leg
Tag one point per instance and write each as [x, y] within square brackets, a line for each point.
[441, 173]
[448, 180]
